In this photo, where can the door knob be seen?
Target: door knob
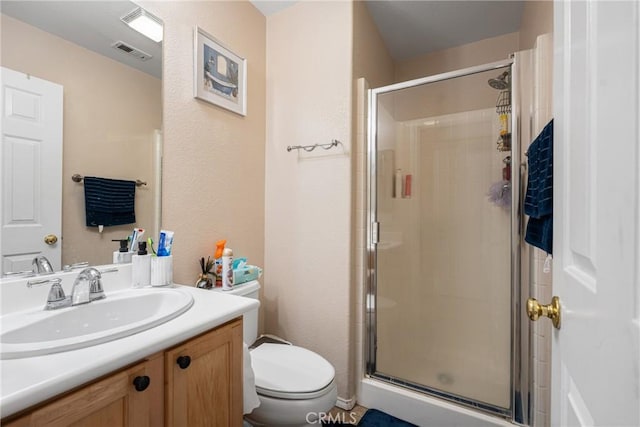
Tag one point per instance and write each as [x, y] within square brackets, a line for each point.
[50, 239]
[552, 311]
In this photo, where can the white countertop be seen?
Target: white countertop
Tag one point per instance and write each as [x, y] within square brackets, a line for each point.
[28, 381]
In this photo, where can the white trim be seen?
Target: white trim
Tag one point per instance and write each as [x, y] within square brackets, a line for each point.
[346, 404]
[421, 409]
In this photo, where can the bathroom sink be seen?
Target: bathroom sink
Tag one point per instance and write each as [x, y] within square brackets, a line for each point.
[38, 332]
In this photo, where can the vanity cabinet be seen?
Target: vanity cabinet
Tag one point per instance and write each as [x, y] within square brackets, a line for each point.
[197, 383]
[111, 401]
[204, 379]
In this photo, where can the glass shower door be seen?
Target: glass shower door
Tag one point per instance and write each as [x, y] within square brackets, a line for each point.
[442, 192]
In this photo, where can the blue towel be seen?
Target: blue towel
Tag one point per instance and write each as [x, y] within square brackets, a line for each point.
[109, 201]
[538, 202]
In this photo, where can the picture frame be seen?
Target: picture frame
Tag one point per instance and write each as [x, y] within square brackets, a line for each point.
[220, 75]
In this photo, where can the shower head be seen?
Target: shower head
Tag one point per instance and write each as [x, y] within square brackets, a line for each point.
[500, 82]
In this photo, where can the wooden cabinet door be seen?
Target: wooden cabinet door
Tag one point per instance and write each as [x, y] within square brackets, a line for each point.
[110, 402]
[204, 379]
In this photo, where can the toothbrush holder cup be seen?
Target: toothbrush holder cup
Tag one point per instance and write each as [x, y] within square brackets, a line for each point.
[162, 270]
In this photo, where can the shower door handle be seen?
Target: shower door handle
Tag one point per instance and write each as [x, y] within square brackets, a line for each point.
[535, 310]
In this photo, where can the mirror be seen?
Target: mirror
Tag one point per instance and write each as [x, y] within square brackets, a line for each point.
[112, 111]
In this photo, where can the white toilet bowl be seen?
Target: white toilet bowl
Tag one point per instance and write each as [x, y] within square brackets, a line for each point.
[294, 385]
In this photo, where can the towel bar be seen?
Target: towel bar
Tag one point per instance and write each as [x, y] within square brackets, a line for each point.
[333, 143]
[78, 178]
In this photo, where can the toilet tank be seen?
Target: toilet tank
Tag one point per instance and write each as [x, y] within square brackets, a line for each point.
[249, 319]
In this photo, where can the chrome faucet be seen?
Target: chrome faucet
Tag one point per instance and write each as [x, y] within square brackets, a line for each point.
[86, 288]
[41, 265]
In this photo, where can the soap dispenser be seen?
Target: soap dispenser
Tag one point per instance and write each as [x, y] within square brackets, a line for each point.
[122, 255]
[141, 267]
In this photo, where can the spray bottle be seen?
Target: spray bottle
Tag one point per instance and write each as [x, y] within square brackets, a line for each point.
[217, 266]
[227, 269]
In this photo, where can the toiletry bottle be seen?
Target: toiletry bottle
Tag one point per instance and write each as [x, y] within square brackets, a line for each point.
[122, 256]
[141, 267]
[217, 260]
[398, 184]
[407, 186]
[227, 269]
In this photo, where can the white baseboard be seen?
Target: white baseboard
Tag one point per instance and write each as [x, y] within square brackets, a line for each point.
[346, 404]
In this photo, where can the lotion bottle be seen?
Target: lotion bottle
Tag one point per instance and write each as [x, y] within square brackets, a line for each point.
[227, 269]
[141, 267]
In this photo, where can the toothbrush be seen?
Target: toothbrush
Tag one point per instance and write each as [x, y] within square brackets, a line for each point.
[150, 244]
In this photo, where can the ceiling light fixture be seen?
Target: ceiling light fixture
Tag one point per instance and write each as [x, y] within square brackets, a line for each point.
[144, 23]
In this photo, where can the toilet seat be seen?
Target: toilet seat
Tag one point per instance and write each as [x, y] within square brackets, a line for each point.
[290, 372]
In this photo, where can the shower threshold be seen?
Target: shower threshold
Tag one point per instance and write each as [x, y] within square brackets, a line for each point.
[486, 408]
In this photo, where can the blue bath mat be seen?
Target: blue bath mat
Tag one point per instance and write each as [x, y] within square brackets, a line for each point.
[371, 418]
[375, 418]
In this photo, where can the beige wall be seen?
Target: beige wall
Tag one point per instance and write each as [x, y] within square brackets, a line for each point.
[213, 167]
[537, 19]
[450, 96]
[110, 113]
[371, 59]
[468, 55]
[372, 67]
[308, 195]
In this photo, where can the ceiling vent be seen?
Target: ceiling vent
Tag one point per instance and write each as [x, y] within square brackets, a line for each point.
[130, 50]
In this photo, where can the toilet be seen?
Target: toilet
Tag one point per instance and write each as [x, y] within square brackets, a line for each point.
[294, 385]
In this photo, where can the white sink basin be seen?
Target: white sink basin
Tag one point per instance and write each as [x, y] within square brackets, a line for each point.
[123, 313]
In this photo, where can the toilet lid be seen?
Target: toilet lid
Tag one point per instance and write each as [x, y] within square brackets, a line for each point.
[289, 369]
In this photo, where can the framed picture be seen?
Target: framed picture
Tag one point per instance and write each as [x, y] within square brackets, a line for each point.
[220, 75]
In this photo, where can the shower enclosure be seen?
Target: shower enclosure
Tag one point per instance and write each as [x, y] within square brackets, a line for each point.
[443, 240]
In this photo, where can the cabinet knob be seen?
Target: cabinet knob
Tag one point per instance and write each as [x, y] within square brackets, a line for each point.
[141, 382]
[183, 362]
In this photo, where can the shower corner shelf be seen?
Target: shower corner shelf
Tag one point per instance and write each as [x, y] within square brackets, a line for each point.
[503, 104]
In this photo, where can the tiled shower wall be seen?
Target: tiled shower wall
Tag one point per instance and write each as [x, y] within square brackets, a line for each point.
[540, 114]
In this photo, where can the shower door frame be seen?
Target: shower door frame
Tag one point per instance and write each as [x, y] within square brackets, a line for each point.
[521, 394]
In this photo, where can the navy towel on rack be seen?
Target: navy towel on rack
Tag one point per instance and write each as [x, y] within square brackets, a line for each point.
[109, 201]
[538, 202]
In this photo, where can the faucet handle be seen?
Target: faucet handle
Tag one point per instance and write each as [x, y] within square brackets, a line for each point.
[96, 291]
[25, 273]
[70, 267]
[56, 293]
[56, 298]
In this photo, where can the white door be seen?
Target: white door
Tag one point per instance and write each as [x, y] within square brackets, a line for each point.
[595, 354]
[31, 170]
